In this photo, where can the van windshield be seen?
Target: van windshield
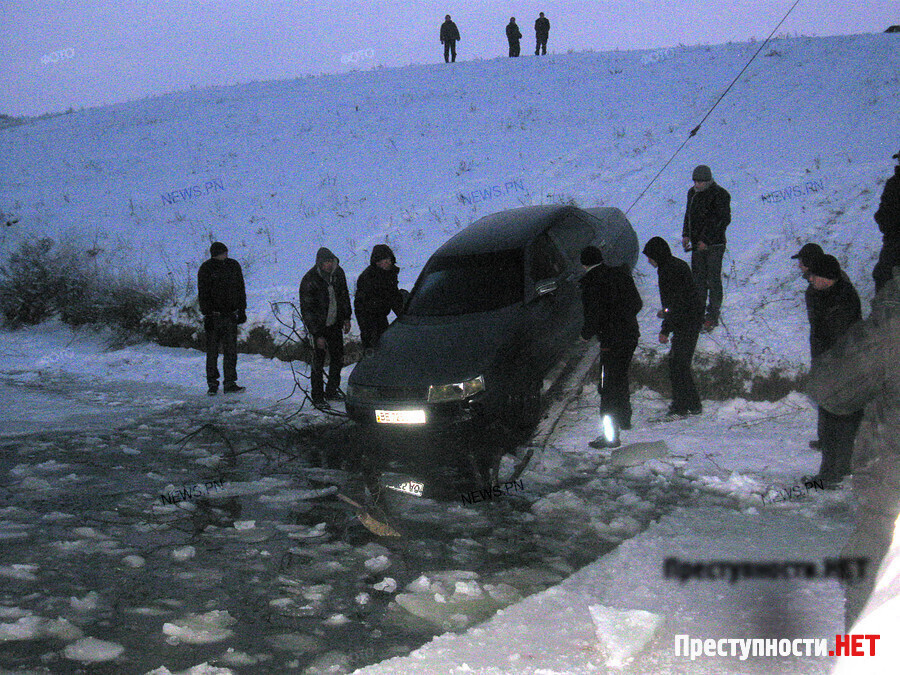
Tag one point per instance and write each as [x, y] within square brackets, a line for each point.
[465, 284]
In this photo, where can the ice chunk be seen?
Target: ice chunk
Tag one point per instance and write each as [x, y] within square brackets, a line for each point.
[336, 620]
[244, 524]
[134, 561]
[623, 633]
[387, 585]
[638, 453]
[184, 553]
[87, 603]
[330, 663]
[379, 564]
[19, 571]
[201, 628]
[362, 598]
[91, 650]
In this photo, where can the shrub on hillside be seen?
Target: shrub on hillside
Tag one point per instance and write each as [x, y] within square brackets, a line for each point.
[41, 279]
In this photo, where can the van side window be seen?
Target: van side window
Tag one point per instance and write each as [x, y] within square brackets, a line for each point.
[546, 260]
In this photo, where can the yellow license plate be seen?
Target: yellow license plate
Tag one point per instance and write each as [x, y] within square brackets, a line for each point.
[400, 416]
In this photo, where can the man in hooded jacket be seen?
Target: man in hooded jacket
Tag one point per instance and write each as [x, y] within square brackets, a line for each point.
[611, 305]
[888, 218]
[377, 295]
[223, 303]
[325, 310]
[862, 372]
[682, 315]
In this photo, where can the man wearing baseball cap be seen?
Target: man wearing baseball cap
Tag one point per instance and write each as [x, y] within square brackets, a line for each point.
[806, 253]
[707, 215]
[837, 307]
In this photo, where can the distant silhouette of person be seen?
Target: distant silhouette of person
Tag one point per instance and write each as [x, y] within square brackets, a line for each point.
[513, 34]
[449, 36]
[542, 32]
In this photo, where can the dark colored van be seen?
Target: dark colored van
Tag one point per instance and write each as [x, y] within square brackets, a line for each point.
[492, 311]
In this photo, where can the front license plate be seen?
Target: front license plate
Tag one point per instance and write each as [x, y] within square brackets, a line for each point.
[410, 487]
[400, 416]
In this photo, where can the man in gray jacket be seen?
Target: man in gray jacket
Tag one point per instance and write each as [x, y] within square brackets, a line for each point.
[862, 372]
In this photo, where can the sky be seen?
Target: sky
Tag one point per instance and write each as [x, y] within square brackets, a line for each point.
[58, 55]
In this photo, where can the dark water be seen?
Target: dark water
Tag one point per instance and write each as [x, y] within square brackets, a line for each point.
[307, 556]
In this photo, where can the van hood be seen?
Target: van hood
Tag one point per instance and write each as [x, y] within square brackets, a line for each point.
[421, 351]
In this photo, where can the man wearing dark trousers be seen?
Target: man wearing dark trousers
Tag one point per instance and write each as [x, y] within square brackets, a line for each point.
[449, 36]
[611, 305]
[223, 303]
[377, 295]
[888, 218]
[541, 33]
[513, 35]
[707, 215]
[836, 308]
[682, 315]
[325, 310]
[803, 257]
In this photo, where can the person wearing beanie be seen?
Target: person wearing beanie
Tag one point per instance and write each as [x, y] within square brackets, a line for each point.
[377, 295]
[835, 310]
[888, 218]
[611, 304]
[682, 315]
[706, 216]
[325, 311]
[223, 303]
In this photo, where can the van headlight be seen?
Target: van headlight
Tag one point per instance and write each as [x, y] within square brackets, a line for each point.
[455, 392]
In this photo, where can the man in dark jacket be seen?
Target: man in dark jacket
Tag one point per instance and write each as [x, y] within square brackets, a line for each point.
[449, 36]
[862, 372]
[682, 315]
[541, 33]
[806, 253]
[377, 295]
[835, 308]
[513, 35]
[707, 215]
[223, 303]
[325, 310]
[888, 218]
[611, 305]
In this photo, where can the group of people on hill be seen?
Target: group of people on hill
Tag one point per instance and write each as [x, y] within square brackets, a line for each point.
[450, 36]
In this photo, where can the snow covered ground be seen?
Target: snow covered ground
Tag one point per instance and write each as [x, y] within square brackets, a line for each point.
[720, 470]
[407, 157]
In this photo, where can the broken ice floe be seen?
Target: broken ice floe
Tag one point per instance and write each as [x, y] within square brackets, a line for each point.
[200, 628]
[623, 633]
[451, 600]
[91, 650]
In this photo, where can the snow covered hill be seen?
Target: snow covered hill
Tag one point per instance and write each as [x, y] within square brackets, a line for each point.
[408, 156]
